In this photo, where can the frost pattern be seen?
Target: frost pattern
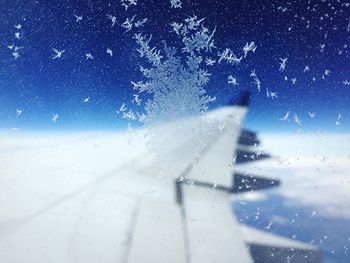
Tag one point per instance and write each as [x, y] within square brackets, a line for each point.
[249, 47]
[175, 80]
[175, 3]
[176, 83]
[128, 3]
[129, 23]
[232, 80]
[228, 56]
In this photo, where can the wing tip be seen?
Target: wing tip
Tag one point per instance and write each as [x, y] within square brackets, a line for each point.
[243, 99]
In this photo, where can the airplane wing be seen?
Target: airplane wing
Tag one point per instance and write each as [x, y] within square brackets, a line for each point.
[93, 198]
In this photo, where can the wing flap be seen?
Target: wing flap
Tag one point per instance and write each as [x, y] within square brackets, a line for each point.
[158, 234]
[268, 247]
[247, 183]
[213, 233]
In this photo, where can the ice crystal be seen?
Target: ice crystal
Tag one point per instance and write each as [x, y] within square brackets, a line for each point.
[55, 117]
[128, 3]
[176, 3]
[249, 47]
[257, 82]
[232, 80]
[283, 64]
[129, 23]
[209, 61]
[228, 56]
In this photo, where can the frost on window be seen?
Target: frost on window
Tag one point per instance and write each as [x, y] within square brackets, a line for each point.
[176, 3]
[174, 83]
[128, 3]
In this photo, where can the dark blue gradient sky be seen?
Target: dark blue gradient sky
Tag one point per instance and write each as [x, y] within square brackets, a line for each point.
[297, 30]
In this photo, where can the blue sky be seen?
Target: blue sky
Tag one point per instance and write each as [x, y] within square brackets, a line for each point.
[311, 33]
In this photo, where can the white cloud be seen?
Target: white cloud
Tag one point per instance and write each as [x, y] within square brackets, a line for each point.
[314, 170]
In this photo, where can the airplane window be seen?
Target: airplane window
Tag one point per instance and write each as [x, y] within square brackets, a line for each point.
[174, 131]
